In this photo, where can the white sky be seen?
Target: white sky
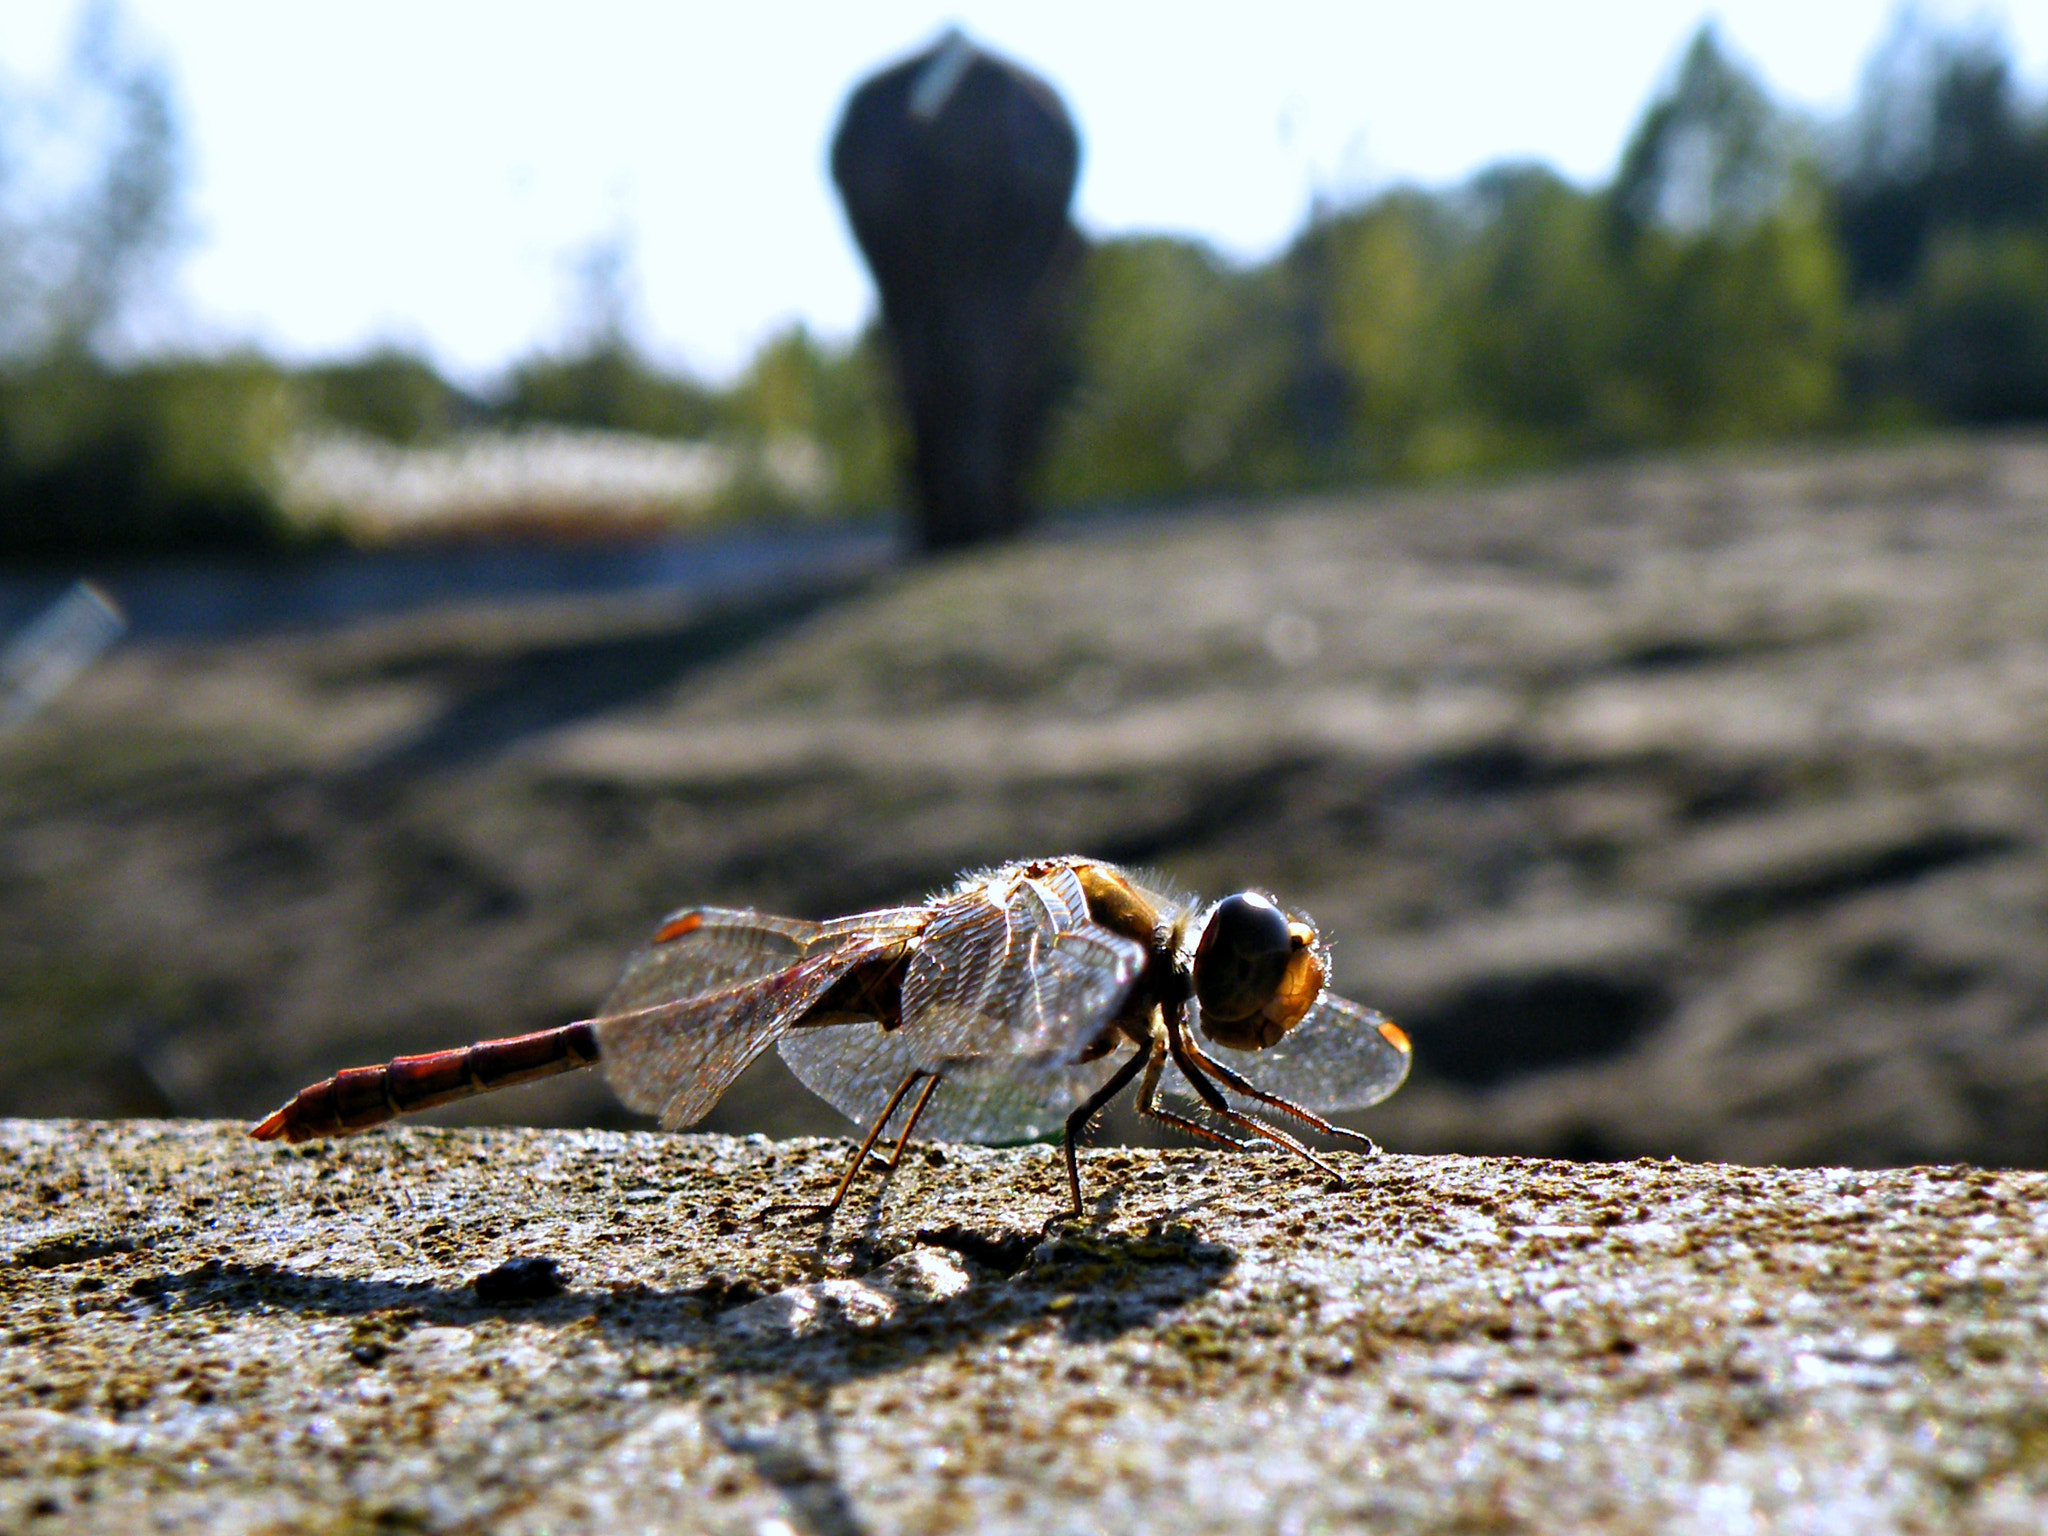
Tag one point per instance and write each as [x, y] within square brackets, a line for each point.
[427, 171]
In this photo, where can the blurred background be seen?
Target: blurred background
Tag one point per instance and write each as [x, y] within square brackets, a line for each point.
[1560, 494]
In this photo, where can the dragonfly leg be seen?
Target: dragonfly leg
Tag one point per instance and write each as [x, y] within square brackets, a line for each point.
[1195, 1128]
[1212, 1097]
[874, 1135]
[1150, 1108]
[1079, 1120]
[1307, 1117]
[931, 1086]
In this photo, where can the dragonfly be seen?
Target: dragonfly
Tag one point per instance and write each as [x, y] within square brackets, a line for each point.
[1024, 998]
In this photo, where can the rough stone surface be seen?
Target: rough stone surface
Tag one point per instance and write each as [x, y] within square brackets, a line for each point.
[203, 1334]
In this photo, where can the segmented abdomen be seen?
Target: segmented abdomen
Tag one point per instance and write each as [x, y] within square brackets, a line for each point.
[361, 1097]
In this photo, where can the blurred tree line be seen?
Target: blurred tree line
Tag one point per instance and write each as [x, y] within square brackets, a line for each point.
[1747, 274]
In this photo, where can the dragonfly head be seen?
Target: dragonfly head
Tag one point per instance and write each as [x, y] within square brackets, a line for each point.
[1257, 972]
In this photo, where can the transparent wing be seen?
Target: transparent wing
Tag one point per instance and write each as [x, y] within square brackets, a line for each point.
[745, 977]
[989, 1101]
[1341, 1056]
[698, 949]
[1009, 984]
[1013, 967]
[856, 1067]
[903, 922]
[1006, 1096]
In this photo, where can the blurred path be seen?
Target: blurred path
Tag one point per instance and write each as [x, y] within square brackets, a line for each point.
[216, 600]
[530, 690]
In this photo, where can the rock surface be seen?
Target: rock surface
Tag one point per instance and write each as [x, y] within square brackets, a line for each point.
[207, 1335]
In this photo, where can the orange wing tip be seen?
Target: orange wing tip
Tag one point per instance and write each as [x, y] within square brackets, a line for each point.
[688, 923]
[1393, 1034]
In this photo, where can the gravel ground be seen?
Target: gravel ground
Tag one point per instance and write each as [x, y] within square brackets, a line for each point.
[204, 1334]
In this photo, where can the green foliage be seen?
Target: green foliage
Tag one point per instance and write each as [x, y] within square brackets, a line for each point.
[1732, 283]
[1712, 151]
[1512, 322]
[1184, 365]
[96, 460]
[89, 171]
[1941, 213]
[1976, 335]
[389, 395]
[174, 457]
[1941, 144]
[837, 399]
[1535, 316]
[1736, 336]
[611, 386]
[1371, 280]
[1516, 320]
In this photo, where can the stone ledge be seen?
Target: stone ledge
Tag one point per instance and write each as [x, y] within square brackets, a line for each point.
[205, 1334]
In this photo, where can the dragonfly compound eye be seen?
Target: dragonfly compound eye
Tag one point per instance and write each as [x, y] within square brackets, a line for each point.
[1242, 958]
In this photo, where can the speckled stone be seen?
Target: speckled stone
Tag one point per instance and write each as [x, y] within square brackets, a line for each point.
[205, 1334]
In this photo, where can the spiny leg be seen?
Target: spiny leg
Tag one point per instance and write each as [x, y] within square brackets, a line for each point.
[931, 1087]
[1149, 1107]
[1286, 1106]
[1212, 1096]
[875, 1134]
[1078, 1121]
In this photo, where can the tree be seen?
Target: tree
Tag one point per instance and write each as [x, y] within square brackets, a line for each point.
[96, 459]
[1940, 142]
[1976, 334]
[1540, 316]
[390, 394]
[1184, 366]
[797, 392]
[600, 377]
[1731, 287]
[1375, 286]
[1711, 153]
[78, 248]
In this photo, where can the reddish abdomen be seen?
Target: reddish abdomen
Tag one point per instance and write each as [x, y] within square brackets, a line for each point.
[361, 1097]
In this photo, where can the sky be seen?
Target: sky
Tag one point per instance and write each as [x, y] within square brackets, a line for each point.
[434, 175]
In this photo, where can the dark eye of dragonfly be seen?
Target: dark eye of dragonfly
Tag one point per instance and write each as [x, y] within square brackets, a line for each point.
[1242, 957]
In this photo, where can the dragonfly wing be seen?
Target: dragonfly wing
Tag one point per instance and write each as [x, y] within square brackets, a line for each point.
[1015, 969]
[1009, 985]
[674, 1056]
[995, 1101]
[1341, 1056]
[1013, 1096]
[904, 922]
[700, 949]
[856, 1067]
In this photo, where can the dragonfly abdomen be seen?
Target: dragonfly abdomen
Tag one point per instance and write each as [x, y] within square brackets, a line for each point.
[361, 1097]
[871, 990]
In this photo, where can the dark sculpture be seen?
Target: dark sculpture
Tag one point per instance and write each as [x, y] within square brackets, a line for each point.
[956, 169]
